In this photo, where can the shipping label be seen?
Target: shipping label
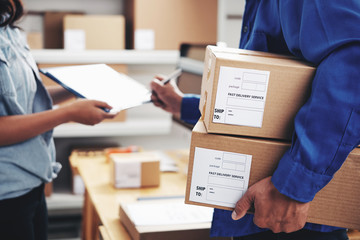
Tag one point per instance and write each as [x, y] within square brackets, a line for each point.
[218, 177]
[241, 96]
[128, 174]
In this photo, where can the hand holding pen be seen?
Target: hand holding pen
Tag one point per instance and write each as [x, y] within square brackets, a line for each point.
[166, 94]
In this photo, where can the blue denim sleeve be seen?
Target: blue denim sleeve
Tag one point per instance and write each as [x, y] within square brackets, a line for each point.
[190, 112]
[327, 127]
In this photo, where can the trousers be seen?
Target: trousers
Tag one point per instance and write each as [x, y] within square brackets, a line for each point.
[24, 217]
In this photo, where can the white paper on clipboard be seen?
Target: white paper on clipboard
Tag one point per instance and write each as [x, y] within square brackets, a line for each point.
[100, 82]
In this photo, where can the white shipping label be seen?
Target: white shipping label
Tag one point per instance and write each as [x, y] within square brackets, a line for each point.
[74, 39]
[128, 174]
[241, 96]
[144, 39]
[219, 178]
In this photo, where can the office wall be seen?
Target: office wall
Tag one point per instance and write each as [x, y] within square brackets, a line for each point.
[230, 14]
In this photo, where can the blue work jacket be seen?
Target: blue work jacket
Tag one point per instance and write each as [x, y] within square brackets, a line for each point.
[326, 34]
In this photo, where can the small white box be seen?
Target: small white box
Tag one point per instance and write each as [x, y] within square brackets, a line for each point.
[135, 170]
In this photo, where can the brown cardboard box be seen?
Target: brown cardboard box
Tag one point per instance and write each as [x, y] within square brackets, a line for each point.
[53, 29]
[120, 117]
[189, 231]
[165, 24]
[35, 40]
[134, 170]
[101, 31]
[222, 160]
[252, 93]
[128, 149]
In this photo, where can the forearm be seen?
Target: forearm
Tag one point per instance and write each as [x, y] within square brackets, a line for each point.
[18, 128]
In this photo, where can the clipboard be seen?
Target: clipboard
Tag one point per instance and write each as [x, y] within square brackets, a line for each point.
[100, 82]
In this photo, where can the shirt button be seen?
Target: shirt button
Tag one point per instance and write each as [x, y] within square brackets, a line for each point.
[245, 29]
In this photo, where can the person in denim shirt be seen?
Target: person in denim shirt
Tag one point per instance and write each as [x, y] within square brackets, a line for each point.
[327, 34]
[27, 156]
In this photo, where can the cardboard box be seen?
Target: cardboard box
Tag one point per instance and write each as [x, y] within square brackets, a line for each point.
[53, 29]
[94, 32]
[221, 166]
[35, 40]
[178, 22]
[134, 170]
[128, 149]
[252, 93]
[164, 231]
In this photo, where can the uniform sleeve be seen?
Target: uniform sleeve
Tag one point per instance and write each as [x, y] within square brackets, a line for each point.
[190, 112]
[327, 127]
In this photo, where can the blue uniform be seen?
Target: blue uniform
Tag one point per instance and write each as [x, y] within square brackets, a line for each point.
[327, 127]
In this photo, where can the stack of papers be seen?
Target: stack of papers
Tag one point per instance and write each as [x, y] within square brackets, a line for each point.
[100, 82]
[170, 212]
[166, 219]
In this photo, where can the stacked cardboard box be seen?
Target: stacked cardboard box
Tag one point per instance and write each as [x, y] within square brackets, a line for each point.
[252, 93]
[222, 166]
[94, 32]
[53, 29]
[177, 22]
[78, 31]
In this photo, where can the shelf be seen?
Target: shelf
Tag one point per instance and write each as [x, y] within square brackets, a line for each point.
[64, 203]
[55, 56]
[131, 127]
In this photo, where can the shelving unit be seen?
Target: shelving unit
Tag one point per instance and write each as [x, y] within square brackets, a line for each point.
[128, 57]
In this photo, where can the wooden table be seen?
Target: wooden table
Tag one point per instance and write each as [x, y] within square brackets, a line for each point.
[101, 206]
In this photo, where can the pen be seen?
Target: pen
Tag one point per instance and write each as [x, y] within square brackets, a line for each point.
[173, 75]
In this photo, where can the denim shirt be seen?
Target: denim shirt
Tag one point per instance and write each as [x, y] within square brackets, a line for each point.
[27, 164]
[327, 127]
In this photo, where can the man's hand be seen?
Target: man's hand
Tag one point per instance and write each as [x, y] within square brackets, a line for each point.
[167, 97]
[273, 210]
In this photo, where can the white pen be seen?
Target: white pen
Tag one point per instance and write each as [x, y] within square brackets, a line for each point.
[173, 75]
